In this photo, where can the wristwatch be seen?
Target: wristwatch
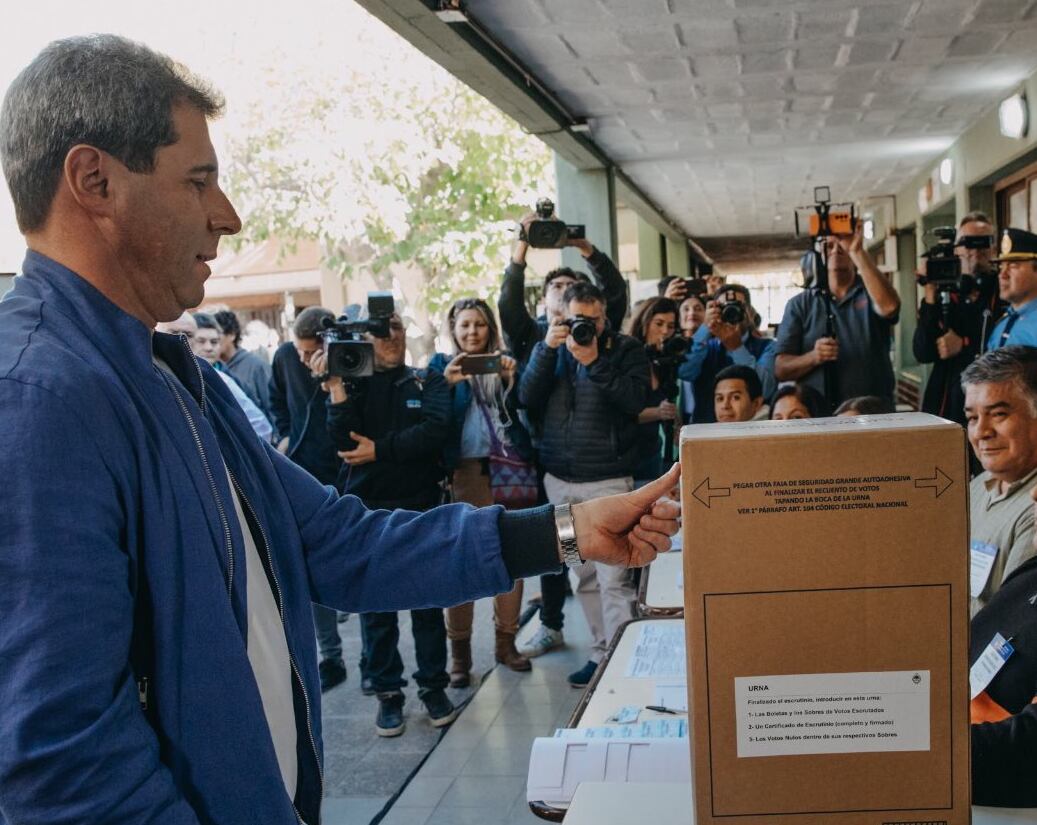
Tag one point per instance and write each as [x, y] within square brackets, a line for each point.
[566, 528]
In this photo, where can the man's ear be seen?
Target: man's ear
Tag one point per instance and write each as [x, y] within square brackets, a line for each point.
[87, 174]
[757, 403]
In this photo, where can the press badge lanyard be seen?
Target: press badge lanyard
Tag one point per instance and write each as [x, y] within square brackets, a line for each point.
[986, 667]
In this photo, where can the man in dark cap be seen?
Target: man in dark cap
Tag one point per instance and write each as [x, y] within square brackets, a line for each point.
[1017, 283]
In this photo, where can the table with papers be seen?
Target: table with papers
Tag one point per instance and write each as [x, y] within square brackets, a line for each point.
[661, 593]
[644, 666]
[609, 803]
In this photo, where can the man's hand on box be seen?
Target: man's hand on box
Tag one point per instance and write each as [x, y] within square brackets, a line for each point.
[629, 529]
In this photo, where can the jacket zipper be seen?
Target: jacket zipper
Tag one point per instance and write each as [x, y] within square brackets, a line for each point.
[208, 474]
[280, 610]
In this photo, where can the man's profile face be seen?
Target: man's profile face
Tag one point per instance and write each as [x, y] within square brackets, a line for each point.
[172, 220]
[306, 348]
[390, 352]
[591, 310]
[227, 346]
[206, 344]
[1002, 429]
[554, 296]
[731, 401]
[1017, 282]
[975, 261]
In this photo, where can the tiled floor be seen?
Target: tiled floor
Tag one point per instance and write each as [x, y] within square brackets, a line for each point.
[477, 773]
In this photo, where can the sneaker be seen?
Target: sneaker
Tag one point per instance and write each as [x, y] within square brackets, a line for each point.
[441, 710]
[366, 687]
[581, 677]
[543, 640]
[332, 672]
[390, 715]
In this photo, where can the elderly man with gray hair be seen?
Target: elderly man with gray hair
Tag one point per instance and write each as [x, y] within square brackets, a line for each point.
[1001, 414]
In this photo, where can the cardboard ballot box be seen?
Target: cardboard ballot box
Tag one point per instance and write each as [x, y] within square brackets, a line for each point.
[826, 602]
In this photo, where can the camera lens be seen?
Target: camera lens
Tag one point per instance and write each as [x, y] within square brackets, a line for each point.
[583, 331]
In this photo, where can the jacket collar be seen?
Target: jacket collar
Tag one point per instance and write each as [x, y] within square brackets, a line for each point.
[123, 339]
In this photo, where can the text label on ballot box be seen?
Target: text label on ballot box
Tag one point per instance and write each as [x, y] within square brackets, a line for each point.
[822, 713]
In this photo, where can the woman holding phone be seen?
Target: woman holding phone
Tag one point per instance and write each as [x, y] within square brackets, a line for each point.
[481, 380]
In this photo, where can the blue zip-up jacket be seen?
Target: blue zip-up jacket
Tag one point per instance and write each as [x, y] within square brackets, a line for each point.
[708, 356]
[114, 490]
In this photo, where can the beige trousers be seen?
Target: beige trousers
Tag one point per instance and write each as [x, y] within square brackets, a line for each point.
[473, 487]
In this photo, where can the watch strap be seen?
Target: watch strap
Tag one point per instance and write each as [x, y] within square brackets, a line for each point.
[566, 528]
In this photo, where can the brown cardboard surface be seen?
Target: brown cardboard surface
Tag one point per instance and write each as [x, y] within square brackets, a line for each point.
[837, 546]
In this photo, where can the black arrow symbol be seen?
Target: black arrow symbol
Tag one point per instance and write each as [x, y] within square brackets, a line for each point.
[939, 481]
[704, 492]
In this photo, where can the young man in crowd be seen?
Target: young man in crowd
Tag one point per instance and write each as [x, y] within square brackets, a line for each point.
[247, 368]
[737, 394]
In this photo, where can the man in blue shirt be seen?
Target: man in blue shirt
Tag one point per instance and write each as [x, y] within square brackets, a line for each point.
[158, 561]
[717, 345]
[1017, 283]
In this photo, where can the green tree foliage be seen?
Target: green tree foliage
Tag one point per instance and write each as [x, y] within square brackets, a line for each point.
[391, 161]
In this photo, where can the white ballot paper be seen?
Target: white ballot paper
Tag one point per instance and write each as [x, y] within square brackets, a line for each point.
[672, 695]
[659, 651]
[832, 713]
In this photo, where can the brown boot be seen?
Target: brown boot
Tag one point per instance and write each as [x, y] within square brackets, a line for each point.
[461, 663]
[507, 655]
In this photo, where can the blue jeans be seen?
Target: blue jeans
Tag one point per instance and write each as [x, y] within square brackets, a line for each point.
[325, 621]
[384, 667]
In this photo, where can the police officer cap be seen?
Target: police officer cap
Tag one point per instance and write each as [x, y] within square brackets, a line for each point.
[1017, 245]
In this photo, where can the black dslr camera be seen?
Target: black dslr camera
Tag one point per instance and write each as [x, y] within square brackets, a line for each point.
[547, 232]
[732, 311]
[943, 266]
[349, 356]
[583, 330]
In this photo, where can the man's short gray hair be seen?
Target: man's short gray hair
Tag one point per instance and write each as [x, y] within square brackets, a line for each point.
[101, 90]
[1016, 365]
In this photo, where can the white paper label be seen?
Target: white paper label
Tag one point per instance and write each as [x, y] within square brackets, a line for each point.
[832, 713]
[986, 667]
[981, 560]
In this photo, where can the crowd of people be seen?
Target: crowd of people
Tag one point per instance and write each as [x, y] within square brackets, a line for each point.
[179, 496]
[586, 400]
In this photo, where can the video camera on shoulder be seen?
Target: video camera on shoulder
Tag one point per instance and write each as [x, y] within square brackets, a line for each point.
[548, 232]
[942, 264]
[349, 355]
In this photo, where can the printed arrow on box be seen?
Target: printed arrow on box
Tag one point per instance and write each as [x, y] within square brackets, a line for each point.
[939, 481]
[705, 493]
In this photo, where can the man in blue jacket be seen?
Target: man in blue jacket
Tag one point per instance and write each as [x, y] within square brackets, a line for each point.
[157, 656]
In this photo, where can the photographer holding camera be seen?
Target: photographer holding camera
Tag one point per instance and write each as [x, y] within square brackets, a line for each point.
[390, 428]
[521, 330]
[586, 385]
[521, 333]
[726, 338]
[655, 326]
[864, 306]
[483, 396]
[959, 308]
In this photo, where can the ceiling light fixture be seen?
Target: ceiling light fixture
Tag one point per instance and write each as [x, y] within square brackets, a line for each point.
[946, 171]
[869, 229]
[1014, 117]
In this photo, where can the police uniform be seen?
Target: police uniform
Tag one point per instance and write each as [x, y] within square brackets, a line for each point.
[1018, 326]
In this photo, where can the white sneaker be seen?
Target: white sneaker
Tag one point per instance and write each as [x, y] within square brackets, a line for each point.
[543, 640]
